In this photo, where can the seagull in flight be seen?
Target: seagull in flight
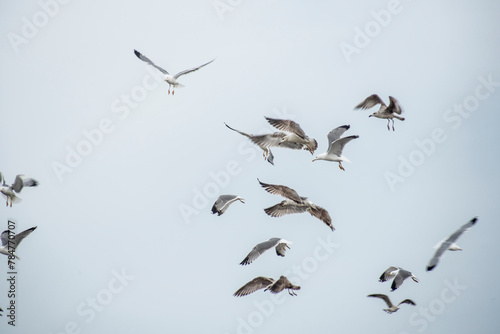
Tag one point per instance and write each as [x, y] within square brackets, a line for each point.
[294, 203]
[270, 284]
[223, 202]
[389, 112]
[20, 182]
[336, 146]
[449, 244]
[265, 142]
[278, 243]
[295, 134]
[392, 308]
[170, 79]
[9, 245]
[399, 275]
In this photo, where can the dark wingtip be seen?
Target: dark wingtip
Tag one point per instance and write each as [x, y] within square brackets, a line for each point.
[429, 268]
[137, 53]
[474, 220]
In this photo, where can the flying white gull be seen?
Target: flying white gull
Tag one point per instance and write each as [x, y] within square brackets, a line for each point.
[19, 183]
[336, 145]
[392, 308]
[9, 245]
[449, 244]
[294, 203]
[265, 142]
[295, 134]
[269, 284]
[170, 79]
[223, 202]
[399, 275]
[389, 112]
[280, 245]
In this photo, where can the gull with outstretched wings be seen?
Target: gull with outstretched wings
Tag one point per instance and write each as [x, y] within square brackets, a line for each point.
[270, 284]
[170, 79]
[449, 244]
[294, 203]
[336, 146]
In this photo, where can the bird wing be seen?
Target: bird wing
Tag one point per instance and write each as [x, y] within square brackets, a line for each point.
[21, 181]
[283, 191]
[445, 244]
[5, 237]
[336, 147]
[254, 285]
[223, 202]
[281, 284]
[2, 180]
[270, 140]
[321, 214]
[452, 238]
[385, 275]
[369, 102]
[337, 133]
[407, 301]
[382, 296]
[191, 69]
[147, 60]
[258, 250]
[394, 106]
[18, 237]
[285, 208]
[287, 125]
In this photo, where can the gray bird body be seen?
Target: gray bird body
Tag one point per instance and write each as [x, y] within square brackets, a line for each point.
[223, 202]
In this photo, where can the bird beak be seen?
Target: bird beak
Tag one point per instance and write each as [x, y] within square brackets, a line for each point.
[370, 116]
[415, 279]
[287, 246]
[314, 160]
[242, 200]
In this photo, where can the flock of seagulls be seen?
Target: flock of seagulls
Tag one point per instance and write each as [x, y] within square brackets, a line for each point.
[290, 135]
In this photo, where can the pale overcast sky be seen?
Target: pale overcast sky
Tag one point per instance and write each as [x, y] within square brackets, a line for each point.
[126, 242]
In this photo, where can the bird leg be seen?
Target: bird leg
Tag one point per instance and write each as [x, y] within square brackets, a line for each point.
[291, 292]
[173, 92]
[388, 121]
[340, 166]
[393, 124]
